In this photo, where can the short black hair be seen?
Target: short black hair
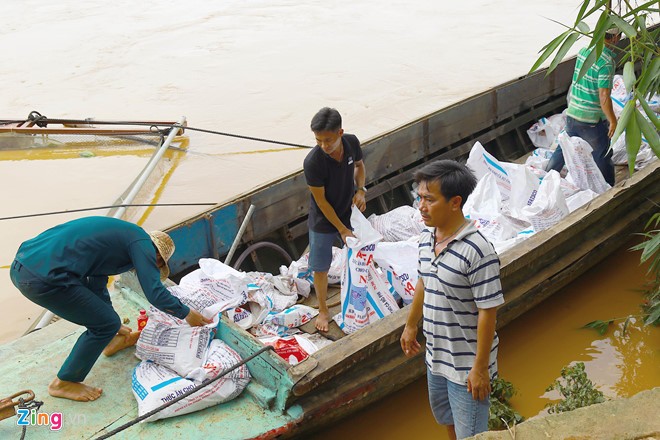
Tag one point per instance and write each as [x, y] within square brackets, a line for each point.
[455, 178]
[326, 119]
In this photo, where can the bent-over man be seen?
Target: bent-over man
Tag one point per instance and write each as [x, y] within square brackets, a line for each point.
[65, 269]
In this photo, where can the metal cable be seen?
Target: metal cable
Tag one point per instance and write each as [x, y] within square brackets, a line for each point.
[130, 205]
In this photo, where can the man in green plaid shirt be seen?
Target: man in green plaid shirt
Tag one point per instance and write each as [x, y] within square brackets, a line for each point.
[590, 114]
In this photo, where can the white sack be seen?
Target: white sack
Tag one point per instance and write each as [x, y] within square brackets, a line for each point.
[582, 169]
[300, 268]
[398, 224]
[294, 316]
[153, 384]
[482, 162]
[172, 343]
[365, 297]
[399, 261]
[549, 205]
[212, 288]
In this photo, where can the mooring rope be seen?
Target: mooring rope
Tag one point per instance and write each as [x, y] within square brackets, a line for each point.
[42, 121]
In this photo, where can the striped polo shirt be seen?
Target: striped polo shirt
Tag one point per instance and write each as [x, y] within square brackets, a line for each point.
[462, 279]
[584, 104]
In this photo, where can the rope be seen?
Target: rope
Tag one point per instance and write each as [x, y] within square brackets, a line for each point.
[184, 395]
[67, 211]
[33, 404]
[43, 121]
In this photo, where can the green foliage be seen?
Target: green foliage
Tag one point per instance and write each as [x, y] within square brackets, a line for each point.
[641, 50]
[576, 389]
[651, 252]
[501, 413]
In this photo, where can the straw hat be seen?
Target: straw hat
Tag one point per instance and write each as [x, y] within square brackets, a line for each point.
[165, 247]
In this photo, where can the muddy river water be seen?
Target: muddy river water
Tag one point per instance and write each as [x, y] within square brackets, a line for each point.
[263, 68]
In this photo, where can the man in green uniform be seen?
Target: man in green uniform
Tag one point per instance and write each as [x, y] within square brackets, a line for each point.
[65, 270]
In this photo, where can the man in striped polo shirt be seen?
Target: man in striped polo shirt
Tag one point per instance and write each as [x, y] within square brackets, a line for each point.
[590, 114]
[457, 294]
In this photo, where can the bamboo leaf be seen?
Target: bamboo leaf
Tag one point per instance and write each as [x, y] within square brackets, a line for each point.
[646, 7]
[648, 75]
[623, 25]
[623, 119]
[588, 62]
[641, 22]
[649, 133]
[583, 27]
[602, 25]
[599, 4]
[629, 76]
[598, 325]
[583, 8]
[650, 113]
[561, 53]
[549, 48]
[653, 317]
[633, 140]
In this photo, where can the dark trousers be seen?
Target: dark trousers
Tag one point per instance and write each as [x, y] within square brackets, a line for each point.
[79, 304]
[596, 136]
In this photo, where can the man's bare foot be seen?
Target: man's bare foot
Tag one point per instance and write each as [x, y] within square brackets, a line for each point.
[322, 321]
[73, 390]
[119, 342]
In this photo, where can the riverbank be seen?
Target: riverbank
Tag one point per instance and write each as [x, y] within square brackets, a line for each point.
[632, 418]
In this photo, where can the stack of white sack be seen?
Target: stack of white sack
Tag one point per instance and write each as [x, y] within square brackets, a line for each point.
[246, 298]
[544, 132]
[366, 296]
[300, 268]
[399, 224]
[513, 201]
[177, 358]
[154, 385]
[620, 96]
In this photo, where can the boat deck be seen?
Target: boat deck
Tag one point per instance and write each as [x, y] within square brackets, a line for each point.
[36, 358]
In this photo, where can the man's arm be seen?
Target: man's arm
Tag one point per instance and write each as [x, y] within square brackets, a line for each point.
[478, 380]
[409, 343]
[318, 192]
[359, 199]
[608, 109]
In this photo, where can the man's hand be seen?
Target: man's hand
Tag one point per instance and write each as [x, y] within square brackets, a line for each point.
[612, 129]
[409, 343]
[195, 319]
[345, 234]
[478, 383]
[359, 200]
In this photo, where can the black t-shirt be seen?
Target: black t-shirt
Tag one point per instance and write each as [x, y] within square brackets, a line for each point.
[337, 179]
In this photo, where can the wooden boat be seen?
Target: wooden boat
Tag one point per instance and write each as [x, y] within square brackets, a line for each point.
[355, 370]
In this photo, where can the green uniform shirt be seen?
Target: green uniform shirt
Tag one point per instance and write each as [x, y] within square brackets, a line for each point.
[584, 105]
[92, 248]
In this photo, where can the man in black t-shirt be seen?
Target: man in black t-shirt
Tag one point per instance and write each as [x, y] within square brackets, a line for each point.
[333, 170]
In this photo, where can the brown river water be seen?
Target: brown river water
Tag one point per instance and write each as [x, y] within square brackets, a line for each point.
[263, 68]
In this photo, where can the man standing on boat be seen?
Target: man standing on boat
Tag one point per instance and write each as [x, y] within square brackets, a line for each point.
[457, 294]
[590, 114]
[333, 170]
[65, 269]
